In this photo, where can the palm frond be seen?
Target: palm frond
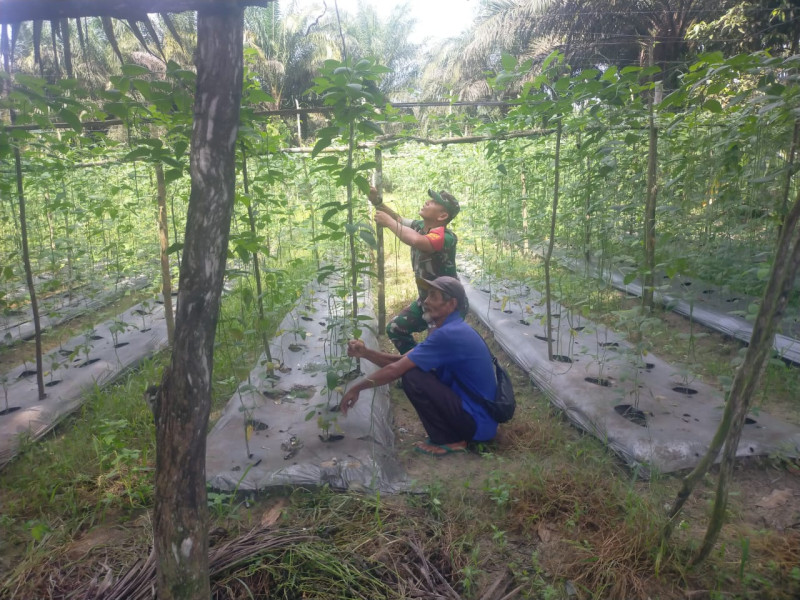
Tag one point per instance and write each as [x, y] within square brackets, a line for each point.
[134, 27]
[65, 43]
[108, 28]
[151, 31]
[53, 30]
[37, 46]
[171, 28]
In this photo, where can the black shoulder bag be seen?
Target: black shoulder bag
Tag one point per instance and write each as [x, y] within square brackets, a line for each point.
[501, 409]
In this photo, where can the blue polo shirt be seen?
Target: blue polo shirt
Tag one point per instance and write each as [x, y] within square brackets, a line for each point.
[455, 348]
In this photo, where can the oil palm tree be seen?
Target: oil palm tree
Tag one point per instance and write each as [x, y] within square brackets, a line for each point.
[588, 33]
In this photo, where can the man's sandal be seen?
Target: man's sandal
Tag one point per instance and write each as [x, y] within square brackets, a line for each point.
[430, 449]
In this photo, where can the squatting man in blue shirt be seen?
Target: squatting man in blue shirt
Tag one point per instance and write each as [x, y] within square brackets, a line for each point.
[436, 372]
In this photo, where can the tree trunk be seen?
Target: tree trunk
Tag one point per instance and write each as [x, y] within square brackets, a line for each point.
[784, 271]
[776, 297]
[163, 239]
[184, 400]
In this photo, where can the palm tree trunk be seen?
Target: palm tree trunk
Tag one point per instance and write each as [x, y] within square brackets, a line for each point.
[183, 403]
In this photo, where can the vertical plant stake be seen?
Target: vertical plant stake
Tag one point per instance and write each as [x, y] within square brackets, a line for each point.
[353, 95]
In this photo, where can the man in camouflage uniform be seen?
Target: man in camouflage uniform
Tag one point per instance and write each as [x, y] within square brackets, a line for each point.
[433, 254]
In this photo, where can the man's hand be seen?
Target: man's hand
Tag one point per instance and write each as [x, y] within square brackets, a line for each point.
[383, 219]
[348, 401]
[374, 197]
[356, 349]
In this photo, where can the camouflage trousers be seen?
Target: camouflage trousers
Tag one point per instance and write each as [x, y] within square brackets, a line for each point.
[402, 328]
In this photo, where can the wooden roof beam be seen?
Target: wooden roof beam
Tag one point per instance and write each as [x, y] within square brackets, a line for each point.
[16, 11]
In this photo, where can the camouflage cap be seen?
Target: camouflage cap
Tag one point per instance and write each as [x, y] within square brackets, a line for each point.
[447, 201]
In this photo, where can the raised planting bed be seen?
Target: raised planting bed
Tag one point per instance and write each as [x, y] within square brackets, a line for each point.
[96, 358]
[17, 325]
[279, 429]
[721, 309]
[639, 405]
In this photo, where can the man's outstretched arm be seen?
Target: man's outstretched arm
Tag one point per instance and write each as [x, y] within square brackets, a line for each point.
[357, 349]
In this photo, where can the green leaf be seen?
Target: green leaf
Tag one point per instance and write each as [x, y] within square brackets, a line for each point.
[131, 70]
[369, 238]
[712, 105]
[118, 109]
[136, 153]
[172, 175]
[369, 127]
[71, 119]
[321, 144]
[509, 62]
[143, 87]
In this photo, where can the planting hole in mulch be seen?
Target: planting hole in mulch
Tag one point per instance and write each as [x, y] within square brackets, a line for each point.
[543, 338]
[708, 291]
[275, 394]
[96, 337]
[26, 373]
[508, 311]
[578, 328]
[121, 344]
[633, 414]
[749, 421]
[52, 383]
[684, 390]
[303, 391]
[91, 361]
[561, 358]
[732, 300]
[9, 410]
[332, 437]
[295, 347]
[146, 329]
[523, 322]
[256, 424]
[306, 318]
[598, 381]
[609, 344]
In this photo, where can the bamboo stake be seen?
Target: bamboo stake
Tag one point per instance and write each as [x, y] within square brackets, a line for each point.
[381, 257]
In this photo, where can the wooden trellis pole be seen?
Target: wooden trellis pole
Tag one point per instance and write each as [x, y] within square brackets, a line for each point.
[379, 234]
